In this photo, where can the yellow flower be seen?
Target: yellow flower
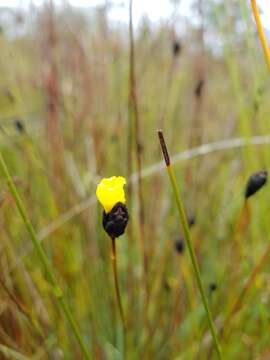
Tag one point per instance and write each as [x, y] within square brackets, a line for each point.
[110, 191]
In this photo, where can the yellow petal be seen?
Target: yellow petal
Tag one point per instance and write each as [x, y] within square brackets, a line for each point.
[110, 191]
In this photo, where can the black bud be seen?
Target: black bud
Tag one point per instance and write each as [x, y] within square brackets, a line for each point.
[9, 95]
[179, 245]
[191, 221]
[116, 220]
[177, 47]
[199, 88]
[19, 125]
[256, 105]
[166, 285]
[212, 287]
[255, 183]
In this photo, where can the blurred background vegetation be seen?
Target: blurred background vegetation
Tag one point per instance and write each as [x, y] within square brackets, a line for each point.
[81, 98]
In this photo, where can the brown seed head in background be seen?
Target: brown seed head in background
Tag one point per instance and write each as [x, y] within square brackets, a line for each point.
[255, 182]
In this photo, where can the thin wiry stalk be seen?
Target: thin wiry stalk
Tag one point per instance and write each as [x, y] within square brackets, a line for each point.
[130, 187]
[35, 326]
[187, 234]
[52, 92]
[134, 107]
[240, 299]
[196, 126]
[10, 353]
[116, 285]
[57, 292]
[241, 226]
[168, 88]
[262, 37]
[237, 305]
[17, 303]
[117, 291]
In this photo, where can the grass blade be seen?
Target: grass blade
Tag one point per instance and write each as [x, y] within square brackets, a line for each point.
[42, 257]
[188, 240]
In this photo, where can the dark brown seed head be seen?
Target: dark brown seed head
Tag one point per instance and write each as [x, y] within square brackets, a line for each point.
[256, 105]
[191, 220]
[116, 220]
[199, 88]
[212, 287]
[255, 182]
[19, 125]
[9, 95]
[179, 246]
[177, 47]
[166, 285]
[164, 148]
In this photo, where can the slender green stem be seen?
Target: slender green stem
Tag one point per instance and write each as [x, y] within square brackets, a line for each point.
[116, 283]
[117, 290]
[187, 235]
[42, 257]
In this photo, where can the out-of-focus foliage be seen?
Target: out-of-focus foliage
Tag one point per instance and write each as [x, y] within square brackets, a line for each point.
[64, 121]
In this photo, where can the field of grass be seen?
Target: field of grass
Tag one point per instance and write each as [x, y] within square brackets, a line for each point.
[82, 98]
